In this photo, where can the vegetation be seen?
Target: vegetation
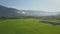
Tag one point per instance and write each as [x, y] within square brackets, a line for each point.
[27, 26]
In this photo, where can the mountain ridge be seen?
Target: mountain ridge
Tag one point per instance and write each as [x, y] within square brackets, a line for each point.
[5, 11]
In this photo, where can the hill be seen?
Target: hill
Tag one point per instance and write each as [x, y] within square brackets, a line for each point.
[5, 11]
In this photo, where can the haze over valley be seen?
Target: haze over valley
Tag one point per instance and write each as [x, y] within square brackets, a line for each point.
[5, 11]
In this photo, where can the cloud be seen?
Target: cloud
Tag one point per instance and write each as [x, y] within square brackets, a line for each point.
[56, 2]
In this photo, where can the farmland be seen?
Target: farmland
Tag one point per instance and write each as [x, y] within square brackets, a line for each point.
[27, 26]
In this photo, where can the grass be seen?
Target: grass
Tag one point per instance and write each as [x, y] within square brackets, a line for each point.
[27, 26]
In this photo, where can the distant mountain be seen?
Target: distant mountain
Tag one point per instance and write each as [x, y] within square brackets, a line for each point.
[5, 11]
[39, 13]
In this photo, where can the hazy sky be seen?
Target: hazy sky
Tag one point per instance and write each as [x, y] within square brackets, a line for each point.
[44, 5]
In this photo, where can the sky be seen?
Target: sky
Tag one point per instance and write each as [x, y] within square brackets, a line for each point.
[43, 5]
